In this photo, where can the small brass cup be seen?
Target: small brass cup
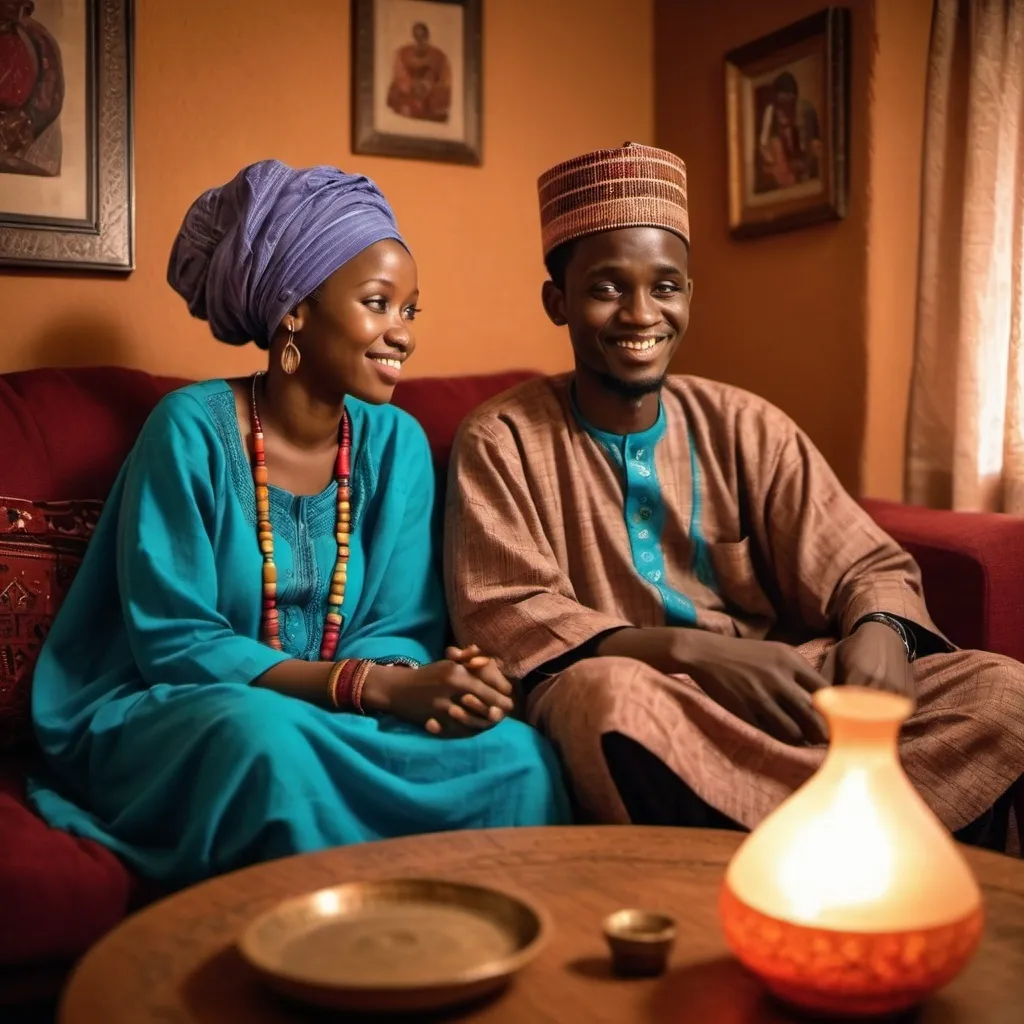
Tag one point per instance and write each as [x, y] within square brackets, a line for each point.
[640, 942]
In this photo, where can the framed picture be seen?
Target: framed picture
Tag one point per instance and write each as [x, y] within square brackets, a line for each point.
[787, 112]
[66, 190]
[417, 88]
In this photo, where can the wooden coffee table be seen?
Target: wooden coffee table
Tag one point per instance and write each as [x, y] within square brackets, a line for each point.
[176, 962]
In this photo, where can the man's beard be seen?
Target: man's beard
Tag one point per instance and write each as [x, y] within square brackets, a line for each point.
[633, 390]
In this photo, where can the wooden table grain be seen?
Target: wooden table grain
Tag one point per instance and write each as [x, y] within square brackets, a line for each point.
[176, 962]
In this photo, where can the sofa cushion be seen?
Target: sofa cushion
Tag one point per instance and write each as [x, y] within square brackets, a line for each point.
[65, 433]
[441, 405]
[59, 894]
[41, 547]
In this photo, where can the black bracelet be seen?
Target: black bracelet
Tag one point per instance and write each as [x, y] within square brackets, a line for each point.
[909, 640]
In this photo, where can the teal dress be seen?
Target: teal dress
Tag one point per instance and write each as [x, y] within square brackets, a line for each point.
[156, 744]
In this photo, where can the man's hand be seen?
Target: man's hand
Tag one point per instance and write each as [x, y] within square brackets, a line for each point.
[767, 684]
[874, 656]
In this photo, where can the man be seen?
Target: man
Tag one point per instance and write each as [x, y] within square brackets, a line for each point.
[647, 553]
[421, 84]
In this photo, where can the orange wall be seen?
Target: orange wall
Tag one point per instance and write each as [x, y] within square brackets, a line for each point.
[820, 321]
[897, 138]
[783, 315]
[221, 84]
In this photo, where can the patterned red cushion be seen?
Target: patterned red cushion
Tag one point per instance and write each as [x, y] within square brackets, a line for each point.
[41, 547]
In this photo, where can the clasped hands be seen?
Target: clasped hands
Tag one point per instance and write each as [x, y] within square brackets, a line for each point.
[464, 694]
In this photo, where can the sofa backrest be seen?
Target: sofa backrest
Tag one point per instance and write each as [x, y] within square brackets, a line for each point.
[65, 433]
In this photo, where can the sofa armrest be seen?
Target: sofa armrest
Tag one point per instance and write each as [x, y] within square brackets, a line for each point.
[972, 564]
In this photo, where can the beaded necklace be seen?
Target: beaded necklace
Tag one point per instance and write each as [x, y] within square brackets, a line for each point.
[269, 631]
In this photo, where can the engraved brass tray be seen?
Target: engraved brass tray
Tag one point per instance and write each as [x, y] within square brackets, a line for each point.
[394, 946]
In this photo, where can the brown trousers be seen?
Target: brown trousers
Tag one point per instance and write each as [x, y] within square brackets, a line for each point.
[963, 748]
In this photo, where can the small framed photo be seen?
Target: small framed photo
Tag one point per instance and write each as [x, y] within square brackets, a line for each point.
[66, 170]
[418, 79]
[787, 112]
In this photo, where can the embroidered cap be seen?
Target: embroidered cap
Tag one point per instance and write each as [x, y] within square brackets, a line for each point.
[635, 186]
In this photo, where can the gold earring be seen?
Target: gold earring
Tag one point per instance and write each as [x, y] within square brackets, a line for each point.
[291, 356]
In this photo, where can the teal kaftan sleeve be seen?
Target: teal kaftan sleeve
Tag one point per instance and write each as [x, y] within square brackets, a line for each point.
[176, 485]
[401, 614]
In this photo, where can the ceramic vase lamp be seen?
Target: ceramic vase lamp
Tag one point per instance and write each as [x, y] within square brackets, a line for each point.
[851, 898]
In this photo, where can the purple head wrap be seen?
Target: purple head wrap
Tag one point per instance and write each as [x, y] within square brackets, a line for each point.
[251, 250]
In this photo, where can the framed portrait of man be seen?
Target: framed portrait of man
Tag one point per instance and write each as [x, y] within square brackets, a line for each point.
[66, 189]
[417, 79]
[787, 112]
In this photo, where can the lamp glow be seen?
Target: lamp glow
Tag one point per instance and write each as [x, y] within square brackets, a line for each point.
[851, 897]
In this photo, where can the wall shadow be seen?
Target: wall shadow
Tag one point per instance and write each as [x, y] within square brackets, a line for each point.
[81, 339]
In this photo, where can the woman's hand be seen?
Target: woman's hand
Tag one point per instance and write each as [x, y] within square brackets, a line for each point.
[459, 696]
[485, 669]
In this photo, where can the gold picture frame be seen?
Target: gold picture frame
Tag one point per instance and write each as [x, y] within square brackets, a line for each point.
[787, 114]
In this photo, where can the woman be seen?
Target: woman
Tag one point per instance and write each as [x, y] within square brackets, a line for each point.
[247, 665]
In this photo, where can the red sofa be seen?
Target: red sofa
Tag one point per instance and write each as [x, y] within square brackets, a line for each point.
[63, 436]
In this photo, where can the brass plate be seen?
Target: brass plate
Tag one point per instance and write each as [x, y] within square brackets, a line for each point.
[399, 945]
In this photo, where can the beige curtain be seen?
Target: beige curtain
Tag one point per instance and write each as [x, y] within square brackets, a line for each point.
[966, 425]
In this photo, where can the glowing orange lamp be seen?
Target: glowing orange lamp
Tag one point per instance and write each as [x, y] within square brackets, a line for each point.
[851, 897]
